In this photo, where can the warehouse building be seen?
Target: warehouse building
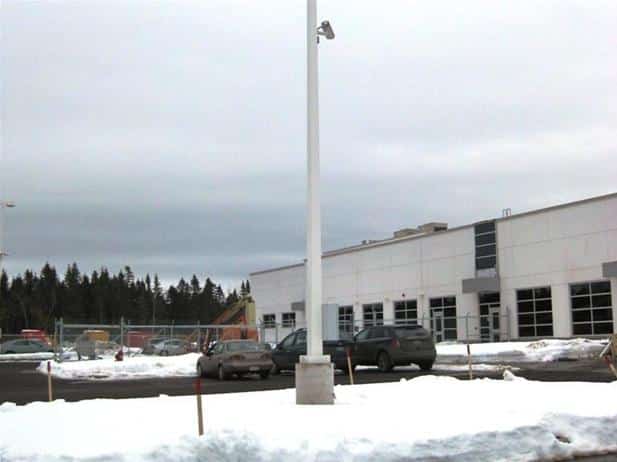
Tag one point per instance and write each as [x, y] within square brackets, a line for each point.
[545, 273]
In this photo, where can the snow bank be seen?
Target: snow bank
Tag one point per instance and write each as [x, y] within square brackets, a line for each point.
[427, 417]
[4, 358]
[130, 368]
[539, 350]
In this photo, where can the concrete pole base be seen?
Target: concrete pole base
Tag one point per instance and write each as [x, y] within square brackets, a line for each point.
[314, 380]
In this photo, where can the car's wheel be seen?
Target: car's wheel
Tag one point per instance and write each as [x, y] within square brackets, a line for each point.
[200, 371]
[275, 370]
[426, 365]
[222, 375]
[9, 352]
[264, 374]
[384, 363]
[164, 353]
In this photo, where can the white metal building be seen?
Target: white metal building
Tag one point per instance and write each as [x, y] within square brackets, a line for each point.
[545, 273]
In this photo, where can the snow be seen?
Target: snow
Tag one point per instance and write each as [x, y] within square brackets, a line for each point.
[536, 351]
[450, 368]
[131, 368]
[427, 417]
[25, 357]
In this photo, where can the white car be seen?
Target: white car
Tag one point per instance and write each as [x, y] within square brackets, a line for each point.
[170, 347]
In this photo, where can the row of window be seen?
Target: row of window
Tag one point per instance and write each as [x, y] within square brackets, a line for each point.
[591, 305]
[287, 320]
[590, 302]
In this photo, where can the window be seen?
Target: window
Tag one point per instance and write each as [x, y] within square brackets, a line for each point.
[363, 335]
[288, 341]
[218, 348]
[269, 321]
[301, 337]
[345, 322]
[486, 245]
[443, 318]
[535, 312]
[592, 308]
[378, 332]
[373, 314]
[405, 312]
[289, 320]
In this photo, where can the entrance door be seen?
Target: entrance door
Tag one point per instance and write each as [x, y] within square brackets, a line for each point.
[489, 316]
[494, 323]
[438, 327]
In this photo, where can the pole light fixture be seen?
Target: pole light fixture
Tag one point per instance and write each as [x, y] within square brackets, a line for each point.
[326, 30]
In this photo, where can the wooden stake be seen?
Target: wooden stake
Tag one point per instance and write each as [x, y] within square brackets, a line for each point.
[200, 415]
[349, 366]
[469, 362]
[49, 390]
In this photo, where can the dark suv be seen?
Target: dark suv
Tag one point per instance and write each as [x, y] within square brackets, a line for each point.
[389, 346]
[288, 352]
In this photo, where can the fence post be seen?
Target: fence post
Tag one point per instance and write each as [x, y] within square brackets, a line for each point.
[61, 344]
[49, 390]
[121, 333]
[200, 416]
[199, 335]
[171, 330]
[467, 327]
[276, 332]
[508, 323]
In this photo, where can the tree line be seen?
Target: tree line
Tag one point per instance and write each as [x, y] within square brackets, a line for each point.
[35, 300]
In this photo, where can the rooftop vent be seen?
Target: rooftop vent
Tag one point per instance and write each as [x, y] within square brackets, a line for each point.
[426, 228]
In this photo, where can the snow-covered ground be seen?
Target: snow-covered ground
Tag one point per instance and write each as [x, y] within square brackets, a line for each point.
[536, 351]
[131, 368]
[428, 417]
[25, 357]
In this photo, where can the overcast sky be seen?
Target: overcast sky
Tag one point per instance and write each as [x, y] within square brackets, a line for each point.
[170, 135]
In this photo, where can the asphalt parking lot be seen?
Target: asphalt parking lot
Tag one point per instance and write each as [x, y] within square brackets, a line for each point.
[21, 383]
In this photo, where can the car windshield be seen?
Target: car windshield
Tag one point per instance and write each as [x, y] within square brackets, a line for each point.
[245, 346]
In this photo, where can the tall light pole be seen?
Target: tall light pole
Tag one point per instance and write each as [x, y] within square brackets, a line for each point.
[314, 372]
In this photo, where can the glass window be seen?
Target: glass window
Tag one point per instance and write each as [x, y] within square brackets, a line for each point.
[535, 312]
[289, 319]
[363, 335]
[301, 337]
[486, 262]
[486, 227]
[269, 321]
[486, 250]
[372, 314]
[405, 312]
[288, 341]
[345, 321]
[592, 311]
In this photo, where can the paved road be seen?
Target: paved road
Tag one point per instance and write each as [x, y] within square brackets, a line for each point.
[21, 384]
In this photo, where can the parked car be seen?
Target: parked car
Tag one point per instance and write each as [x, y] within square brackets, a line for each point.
[287, 353]
[149, 344]
[238, 357]
[171, 347]
[25, 346]
[85, 347]
[389, 346]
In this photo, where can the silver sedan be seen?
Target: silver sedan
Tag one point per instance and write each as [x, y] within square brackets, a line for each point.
[24, 346]
[238, 357]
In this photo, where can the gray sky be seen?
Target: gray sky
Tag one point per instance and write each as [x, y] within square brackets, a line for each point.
[170, 135]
